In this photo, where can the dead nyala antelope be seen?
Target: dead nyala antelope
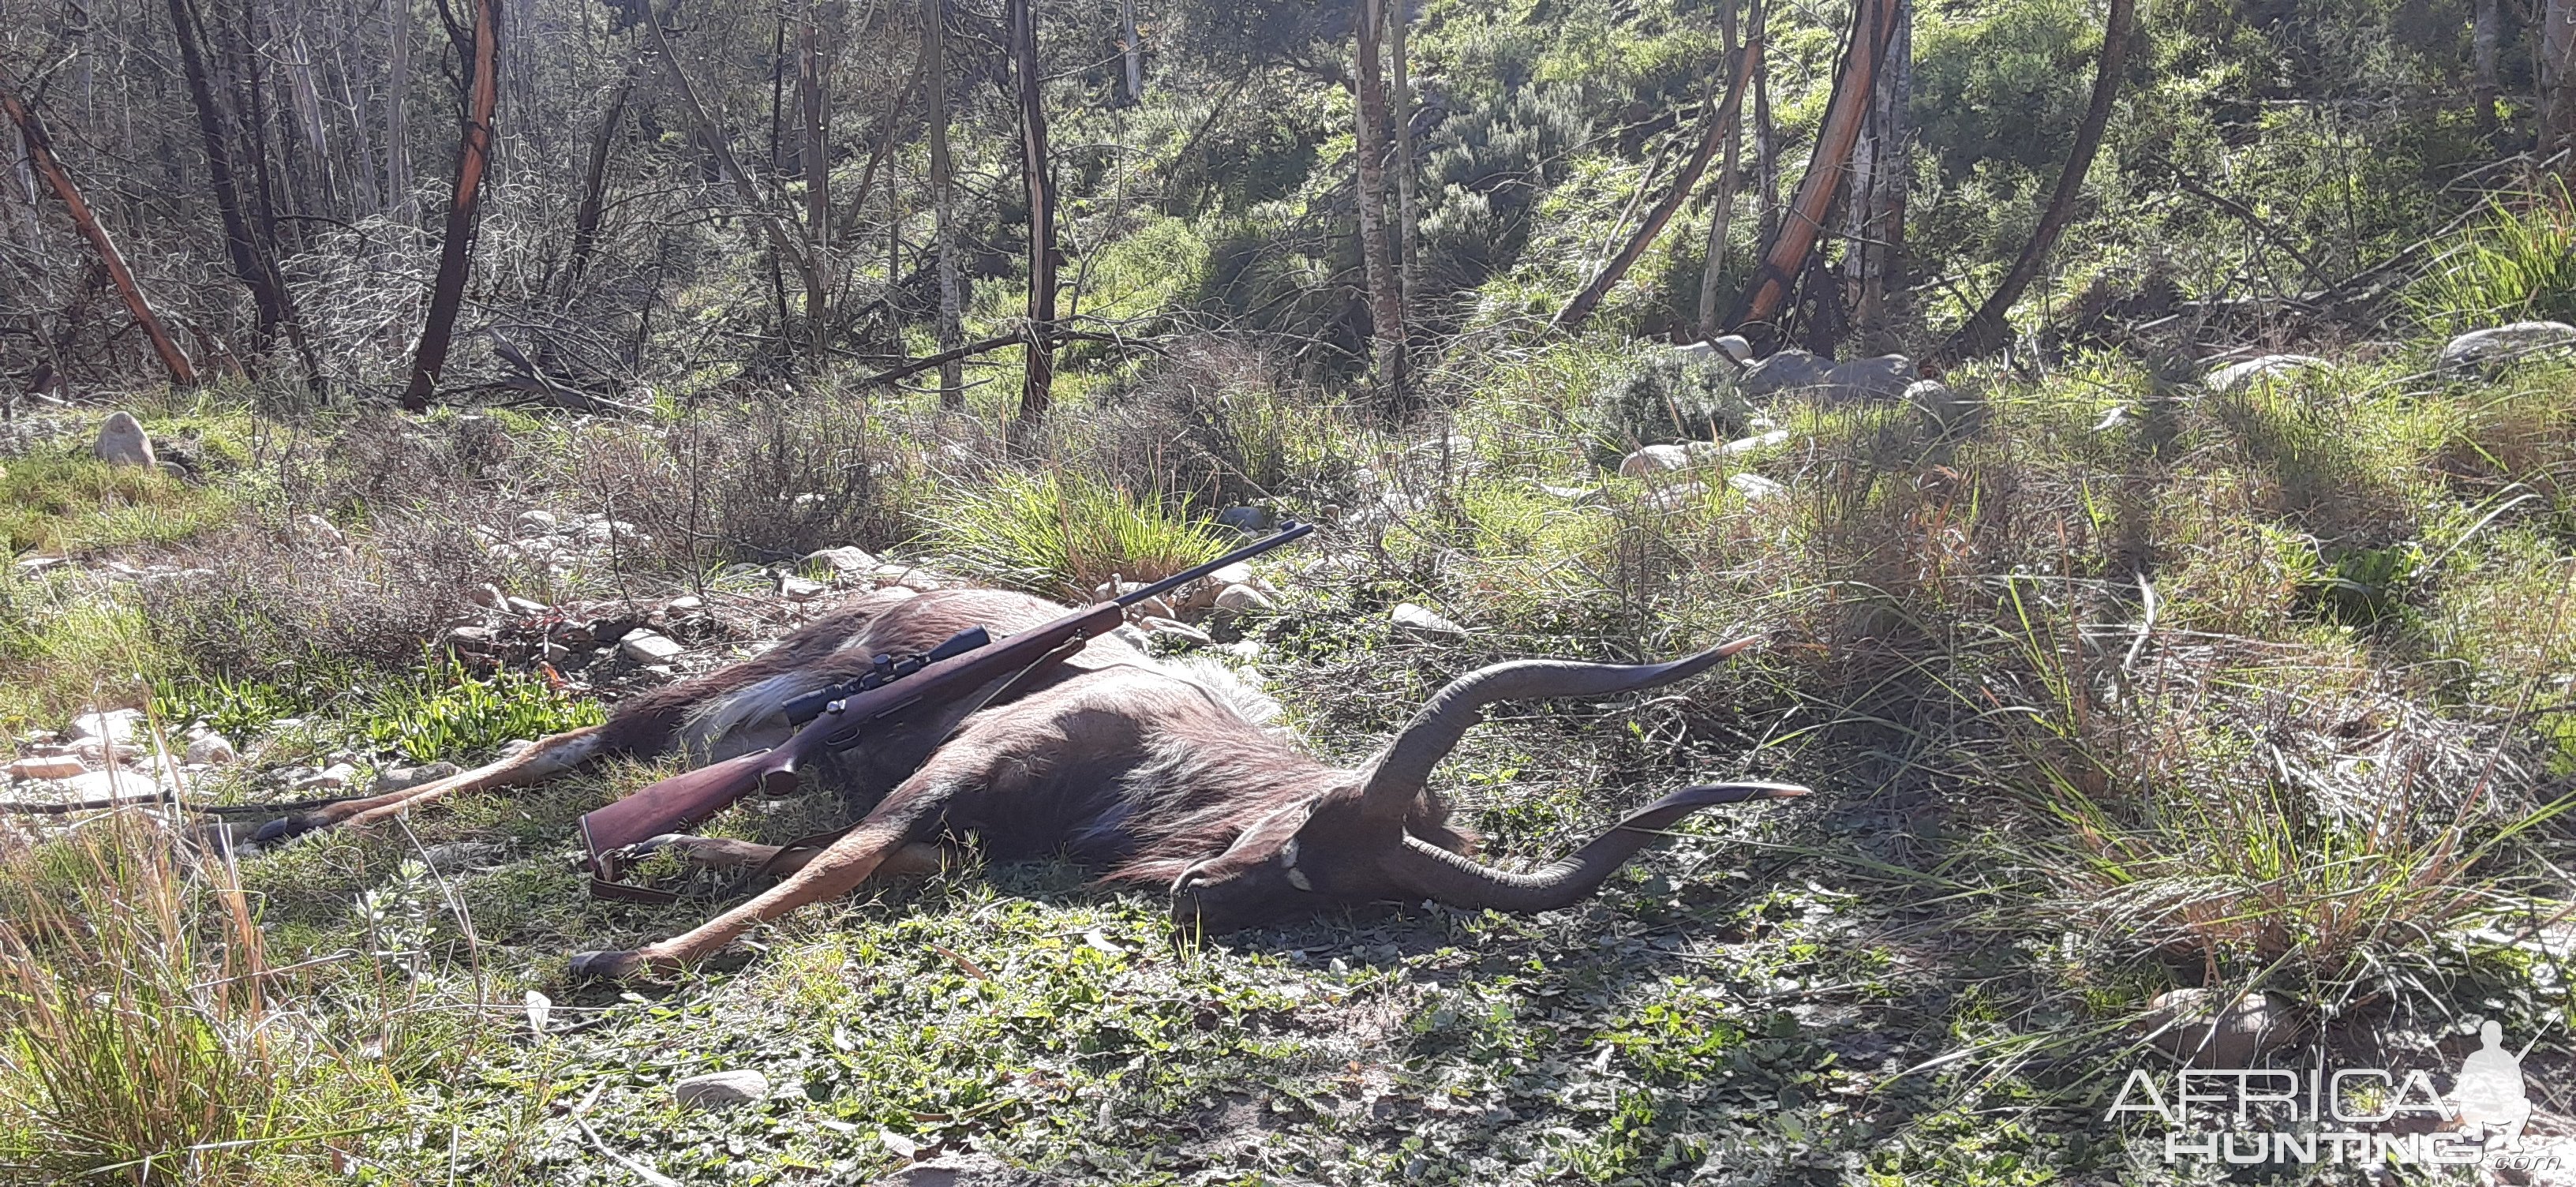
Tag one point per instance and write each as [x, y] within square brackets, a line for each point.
[1157, 772]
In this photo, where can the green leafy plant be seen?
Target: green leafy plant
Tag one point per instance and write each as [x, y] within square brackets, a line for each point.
[1662, 399]
[447, 711]
[2518, 263]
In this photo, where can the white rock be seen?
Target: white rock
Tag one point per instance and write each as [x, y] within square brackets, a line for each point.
[646, 647]
[212, 749]
[333, 778]
[1165, 628]
[2201, 1028]
[122, 783]
[798, 589]
[535, 523]
[684, 604]
[2486, 351]
[2237, 377]
[115, 727]
[122, 442]
[845, 561]
[1241, 599]
[1786, 371]
[1654, 459]
[58, 766]
[1419, 621]
[720, 1090]
[1755, 487]
[323, 532]
[524, 607]
[1744, 445]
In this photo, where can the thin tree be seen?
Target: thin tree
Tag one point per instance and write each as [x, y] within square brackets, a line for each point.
[594, 181]
[482, 53]
[254, 265]
[405, 204]
[1385, 296]
[2486, 43]
[1721, 218]
[943, 200]
[2558, 83]
[1408, 205]
[1131, 51]
[1855, 91]
[1717, 125]
[1037, 386]
[40, 152]
[1877, 253]
[814, 160]
[1985, 331]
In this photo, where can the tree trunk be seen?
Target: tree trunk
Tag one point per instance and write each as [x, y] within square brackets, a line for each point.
[2486, 41]
[1766, 152]
[1386, 300]
[1986, 331]
[1721, 217]
[2558, 83]
[1036, 390]
[40, 151]
[1855, 91]
[943, 200]
[1132, 51]
[814, 160]
[594, 183]
[473, 160]
[398, 192]
[1717, 123]
[253, 264]
[1408, 205]
[1878, 199]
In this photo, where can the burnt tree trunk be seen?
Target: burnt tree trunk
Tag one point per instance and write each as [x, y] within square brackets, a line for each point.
[40, 151]
[1877, 252]
[1385, 297]
[1131, 52]
[254, 263]
[1717, 123]
[1855, 91]
[1986, 331]
[1038, 385]
[1721, 217]
[594, 184]
[473, 161]
[943, 201]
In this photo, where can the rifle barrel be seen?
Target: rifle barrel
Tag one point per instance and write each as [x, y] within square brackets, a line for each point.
[1289, 531]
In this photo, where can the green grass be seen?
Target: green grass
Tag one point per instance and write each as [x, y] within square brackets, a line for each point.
[2516, 264]
[1061, 534]
[444, 712]
[58, 505]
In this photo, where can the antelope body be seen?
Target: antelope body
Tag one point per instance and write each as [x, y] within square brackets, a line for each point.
[1156, 773]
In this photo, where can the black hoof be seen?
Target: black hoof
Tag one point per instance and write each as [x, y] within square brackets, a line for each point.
[605, 966]
[283, 828]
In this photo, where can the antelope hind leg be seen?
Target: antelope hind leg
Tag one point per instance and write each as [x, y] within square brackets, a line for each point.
[835, 871]
[536, 764]
[915, 860]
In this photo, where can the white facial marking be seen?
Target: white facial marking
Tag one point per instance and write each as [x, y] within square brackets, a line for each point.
[1297, 878]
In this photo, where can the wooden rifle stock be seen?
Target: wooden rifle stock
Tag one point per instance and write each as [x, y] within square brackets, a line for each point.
[692, 796]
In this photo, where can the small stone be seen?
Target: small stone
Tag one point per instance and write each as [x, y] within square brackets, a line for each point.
[684, 604]
[1241, 599]
[646, 647]
[392, 779]
[1247, 519]
[323, 531]
[1165, 628]
[1755, 487]
[332, 778]
[1884, 377]
[1788, 370]
[798, 589]
[59, 766]
[720, 1090]
[535, 523]
[525, 607]
[844, 562]
[2236, 377]
[122, 783]
[1246, 650]
[116, 727]
[2484, 352]
[613, 530]
[469, 637]
[1424, 623]
[2191, 1025]
[212, 750]
[122, 442]
[1654, 459]
[487, 596]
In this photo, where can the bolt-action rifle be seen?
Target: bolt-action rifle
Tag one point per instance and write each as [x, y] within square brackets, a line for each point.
[837, 718]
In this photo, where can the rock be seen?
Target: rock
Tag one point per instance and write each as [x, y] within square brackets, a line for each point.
[58, 766]
[469, 637]
[534, 523]
[323, 532]
[1654, 459]
[646, 647]
[720, 1090]
[1786, 371]
[799, 589]
[959, 1170]
[2192, 1026]
[392, 779]
[1241, 599]
[842, 562]
[2484, 352]
[1883, 377]
[1934, 398]
[1247, 519]
[684, 604]
[525, 607]
[2236, 377]
[1734, 347]
[332, 778]
[122, 442]
[213, 750]
[1165, 628]
[613, 530]
[116, 727]
[1755, 487]
[122, 783]
[1425, 624]
[1237, 573]
[1744, 445]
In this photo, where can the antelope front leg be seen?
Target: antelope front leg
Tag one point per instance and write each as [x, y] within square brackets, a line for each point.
[720, 854]
[836, 871]
[536, 764]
